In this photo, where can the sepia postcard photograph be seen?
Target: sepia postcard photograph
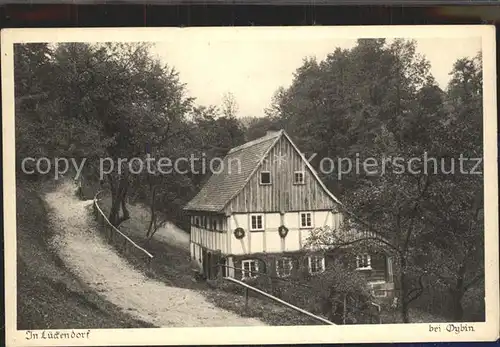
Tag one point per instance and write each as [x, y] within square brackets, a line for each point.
[250, 185]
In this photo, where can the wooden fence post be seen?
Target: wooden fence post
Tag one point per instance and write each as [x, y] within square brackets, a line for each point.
[246, 298]
[344, 309]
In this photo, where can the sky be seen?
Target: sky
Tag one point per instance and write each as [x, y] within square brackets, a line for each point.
[252, 67]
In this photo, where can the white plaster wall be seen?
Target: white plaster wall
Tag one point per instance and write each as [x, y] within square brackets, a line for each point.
[270, 241]
[209, 239]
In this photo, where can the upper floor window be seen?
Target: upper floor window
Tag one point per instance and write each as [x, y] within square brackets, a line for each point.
[306, 220]
[256, 222]
[265, 177]
[363, 262]
[316, 264]
[284, 267]
[298, 177]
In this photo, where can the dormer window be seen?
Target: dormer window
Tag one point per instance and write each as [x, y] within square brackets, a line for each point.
[265, 177]
[298, 177]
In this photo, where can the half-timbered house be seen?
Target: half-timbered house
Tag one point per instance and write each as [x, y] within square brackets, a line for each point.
[257, 210]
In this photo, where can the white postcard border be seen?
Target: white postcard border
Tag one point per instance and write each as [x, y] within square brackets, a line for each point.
[486, 331]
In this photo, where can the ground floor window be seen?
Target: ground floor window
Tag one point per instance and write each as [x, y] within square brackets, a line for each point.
[379, 293]
[284, 267]
[378, 290]
[316, 264]
[363, 262]
[249, 268]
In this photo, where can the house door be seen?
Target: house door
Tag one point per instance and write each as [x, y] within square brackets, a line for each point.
[205, 262]
[216, 260]
[210, 261]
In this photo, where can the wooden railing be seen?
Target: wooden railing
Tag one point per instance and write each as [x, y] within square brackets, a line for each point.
[115, 237]
[277, 300]
[219, 267]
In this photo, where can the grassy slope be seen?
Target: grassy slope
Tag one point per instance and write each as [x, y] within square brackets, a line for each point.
[49, 296]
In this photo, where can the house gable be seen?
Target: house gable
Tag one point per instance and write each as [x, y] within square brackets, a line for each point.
[282, 161]
[234, 172]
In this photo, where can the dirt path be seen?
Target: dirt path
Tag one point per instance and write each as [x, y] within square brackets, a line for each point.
[98, 265]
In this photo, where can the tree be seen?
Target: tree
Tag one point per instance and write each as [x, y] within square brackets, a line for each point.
[128, 103]
[45, 124]
[229, 105]
[258, 127]
[378, 103]
[201, 137]
[455, 208]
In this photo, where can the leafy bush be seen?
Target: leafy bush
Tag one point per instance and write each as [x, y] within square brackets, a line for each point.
[323, 294]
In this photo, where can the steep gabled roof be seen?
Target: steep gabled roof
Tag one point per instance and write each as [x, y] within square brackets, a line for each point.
[237, 168]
